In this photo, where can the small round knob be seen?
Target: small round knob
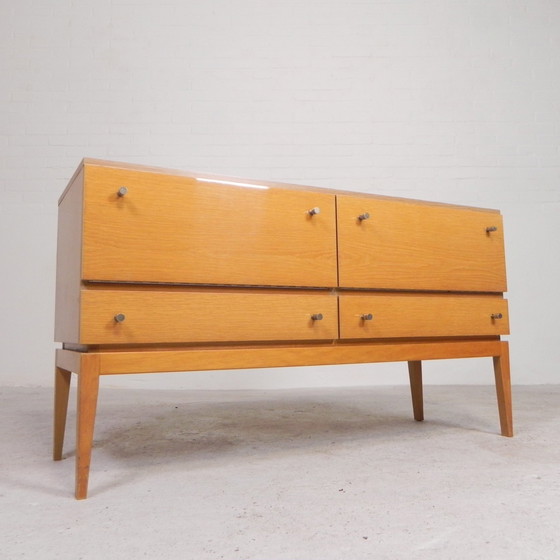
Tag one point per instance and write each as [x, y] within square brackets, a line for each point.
[367, 317]
[364, 216]
[490, 229]
[314, 211]
[120, 317]
[317, 316]
[122, 191]
[496, 316]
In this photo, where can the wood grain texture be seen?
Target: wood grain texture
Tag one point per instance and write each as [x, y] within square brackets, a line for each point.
[96, 162]
[177, 229]
[409, 316]
[88, 389]
[295, 355]
[503, 389]
[174, 316]
[406, 246]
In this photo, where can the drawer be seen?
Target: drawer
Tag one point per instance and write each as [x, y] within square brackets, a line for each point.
[419, 246]
[396, 316]
[150, 317]
[176, 229]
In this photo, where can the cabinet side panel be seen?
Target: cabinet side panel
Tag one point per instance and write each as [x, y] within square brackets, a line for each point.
[68, 262]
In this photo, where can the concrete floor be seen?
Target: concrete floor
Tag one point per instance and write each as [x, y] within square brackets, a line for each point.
[303, 474]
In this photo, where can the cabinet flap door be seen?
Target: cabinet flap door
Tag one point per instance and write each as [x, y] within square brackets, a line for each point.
[389, 244]
[152, 227]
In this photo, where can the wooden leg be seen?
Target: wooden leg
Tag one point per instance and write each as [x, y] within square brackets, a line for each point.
[415, 375]
[61, 392]
[503, 390]
[88, 389]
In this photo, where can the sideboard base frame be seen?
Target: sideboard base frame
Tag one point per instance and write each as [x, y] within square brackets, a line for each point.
[90, 365]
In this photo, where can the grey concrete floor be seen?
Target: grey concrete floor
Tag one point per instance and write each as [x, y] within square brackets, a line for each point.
[303, 474]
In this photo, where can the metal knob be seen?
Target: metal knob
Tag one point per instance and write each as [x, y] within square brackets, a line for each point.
[364, 216]
[317, 316]
[367, 317]
[496, 316]
[490, 229]
[314, 211]
[120, 317]
[122, 191]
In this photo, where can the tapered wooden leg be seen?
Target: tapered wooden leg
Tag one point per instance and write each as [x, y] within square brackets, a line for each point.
[88, 389]
[415, 375]
[503, 390]
[61, 392]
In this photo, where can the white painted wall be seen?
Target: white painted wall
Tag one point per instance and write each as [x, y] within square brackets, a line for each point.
[455, 101]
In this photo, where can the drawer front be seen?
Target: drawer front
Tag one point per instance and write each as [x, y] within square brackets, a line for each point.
[178, 229]
[396, 316]
[410, 246]
[150, 317]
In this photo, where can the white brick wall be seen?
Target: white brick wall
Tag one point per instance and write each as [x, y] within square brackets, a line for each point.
[447, 100]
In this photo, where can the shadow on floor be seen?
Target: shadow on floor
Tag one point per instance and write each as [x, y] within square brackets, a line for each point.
[194, 432]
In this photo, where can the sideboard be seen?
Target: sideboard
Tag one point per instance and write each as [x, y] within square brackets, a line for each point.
[162, 271]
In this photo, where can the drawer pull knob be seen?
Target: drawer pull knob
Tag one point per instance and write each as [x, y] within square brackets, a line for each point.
[367, 317]
[317, 317]
[122, 191]
[490, 229]
[314, 211]
[364, 216]
[120, 317]
[496, 316]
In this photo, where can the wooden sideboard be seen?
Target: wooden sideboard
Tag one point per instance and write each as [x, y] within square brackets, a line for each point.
[162, 271]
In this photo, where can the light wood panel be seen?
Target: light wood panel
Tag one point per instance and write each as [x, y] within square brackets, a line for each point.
[403, 245]
[68, 260]
[404, 316]
[230, 179]
[170, 228]
[160, 317]
[288, 356]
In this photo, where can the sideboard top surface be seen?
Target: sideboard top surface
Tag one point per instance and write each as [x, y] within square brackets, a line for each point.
[232, 180]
